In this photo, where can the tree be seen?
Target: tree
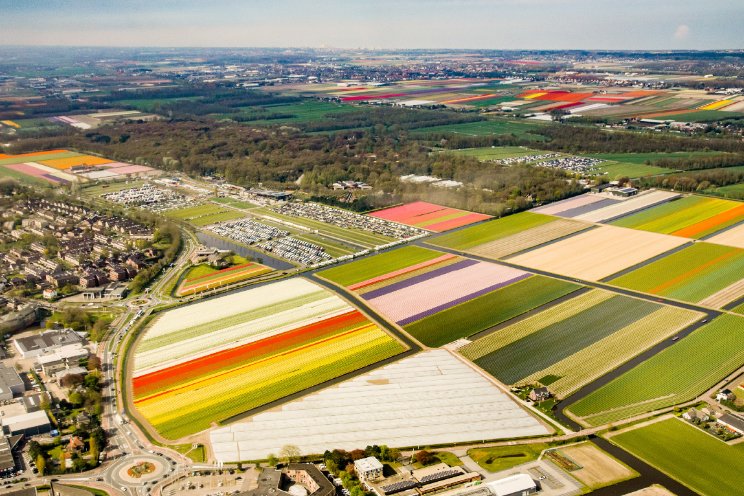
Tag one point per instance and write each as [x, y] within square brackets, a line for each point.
[63, 461]
[93, 450]
[272, 460]
[34, 449]
[76, 398]
[41, 464]
[45, 404]
[424, 457]
[289, 453]
[94, 362]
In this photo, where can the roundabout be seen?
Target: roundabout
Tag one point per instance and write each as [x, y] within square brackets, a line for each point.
[138, 470]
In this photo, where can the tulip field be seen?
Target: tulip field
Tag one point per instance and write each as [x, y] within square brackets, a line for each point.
[429, 216]
[207, 362]
[712, 275]
[677, 374]
[439, 298]
[577, 341]
[216, 279]
[689, 217]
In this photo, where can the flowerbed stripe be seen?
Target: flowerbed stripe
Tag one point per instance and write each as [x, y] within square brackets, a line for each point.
[462, 299]
[419, 278]
[399, 272]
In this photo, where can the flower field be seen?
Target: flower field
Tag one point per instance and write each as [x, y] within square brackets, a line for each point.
[439, 298]
[575, 342]
[597, 253]
[702, 273]
[675, 375]
[690, 217]
[429, 216]
[222, 277]
[194, 366]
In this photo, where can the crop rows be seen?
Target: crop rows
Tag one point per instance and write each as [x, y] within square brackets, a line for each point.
[675, 375]
[493, 230]
[222, 278]
[529, 239]
[378, 265]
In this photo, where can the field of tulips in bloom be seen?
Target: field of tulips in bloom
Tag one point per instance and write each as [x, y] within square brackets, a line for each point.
[242, 272]
[429, 216]
[440, 297]
[195, 366]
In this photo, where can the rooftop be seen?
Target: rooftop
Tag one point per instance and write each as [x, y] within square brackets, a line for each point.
[368, 464]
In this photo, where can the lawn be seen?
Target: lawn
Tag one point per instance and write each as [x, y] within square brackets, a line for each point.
[703, 116]
[691, 274]
[505, 457]
[226, 200]
[690, 217]
[295, 113]
[205, 214]
[497, 152]
[204, 277]
[485, 232]
[443, 457]
[689, 455]
[675, 375]
[378, 265]
[488, 128]
[486, 311]
[734, 191]
[616, 170]
[648, 158]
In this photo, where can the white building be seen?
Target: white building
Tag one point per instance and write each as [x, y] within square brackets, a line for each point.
[368, 469]
[514, 485]
[27, 423]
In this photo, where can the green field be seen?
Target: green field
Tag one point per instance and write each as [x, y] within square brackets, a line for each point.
[616, 170]
[497, 152]
[691, 274]
[689, 455]
[734, 191]
[225, 200]
[367, 268]
[23, 178]
[464, 239]
[679, 216]
[571, 344]
[488, 128]
[648, 158]
[505, 457]
[675, 375]
[296, 113]
[153, 104]
[205, 214]
[486, 311]
[703, 116]
[110, 187]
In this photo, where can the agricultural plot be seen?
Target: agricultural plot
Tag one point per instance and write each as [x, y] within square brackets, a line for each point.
[577, 341]
[439, 298]
[597, 253]
[675, 375]
[492, 127]
[689, 217]
[204, 214]
[596, 468]
[733, 191]
[564, 208]
[491, 153]
[688, 455]
[615, 170]
[212, 360]
[641, 201]
[704, 273]
[427, 399]
[494, 230]
[429, 216]
[215, 279]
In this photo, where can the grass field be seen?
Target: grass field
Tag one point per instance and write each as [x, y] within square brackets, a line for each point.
[205, 214]
[497, 152]
[203, 277]
[704, 116]
[488, 310]
[688, 455]
[577, 341]
[643, 158]
[367, 268]
[675, 375]
[691, 274]
[734, 191]
[505, 457]
[470, 237]
[296, 113]
[616, 170]
[225, 200]
[488, 128]
[690, 217]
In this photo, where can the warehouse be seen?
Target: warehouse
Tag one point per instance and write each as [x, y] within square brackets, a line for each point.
[28, 424]
[46, 342]
[514, 485]
[11, 384]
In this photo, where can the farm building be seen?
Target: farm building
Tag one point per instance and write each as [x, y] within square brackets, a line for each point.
[725, 395]
[368, 468]
[540, 394]
[514, 485]
[732, 423]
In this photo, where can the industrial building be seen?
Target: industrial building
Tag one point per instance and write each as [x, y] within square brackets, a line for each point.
[273, 482]
[46, 342]
[514, 485]
[11, 384]
[62, 358]
[28, 424]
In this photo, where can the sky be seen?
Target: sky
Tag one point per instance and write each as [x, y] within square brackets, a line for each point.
[477, 24]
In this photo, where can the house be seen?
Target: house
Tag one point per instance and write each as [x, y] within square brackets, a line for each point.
[695, 415]
[733, 423]
[725, 395]
[539, 394]
[368, 469]
[49, 293]
[75, 444]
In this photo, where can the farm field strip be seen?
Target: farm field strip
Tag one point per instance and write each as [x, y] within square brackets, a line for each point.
[429, 216]
[600, 358]
[222, 277]
[627, 207]
[598, 253]
[273, 341]
[529, 239]
[691, 217]
[725, 296]
[557, 208]
[730, 237]
[692, 274]
[546, 345]
[493, 230]
[687, 454]
[674, 375]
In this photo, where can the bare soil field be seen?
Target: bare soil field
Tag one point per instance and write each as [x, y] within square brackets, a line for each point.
[598, 253]
[529, 238]
[730, 237]
[598, 468]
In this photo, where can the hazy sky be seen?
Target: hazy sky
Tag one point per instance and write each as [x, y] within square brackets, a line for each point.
[497, 24]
